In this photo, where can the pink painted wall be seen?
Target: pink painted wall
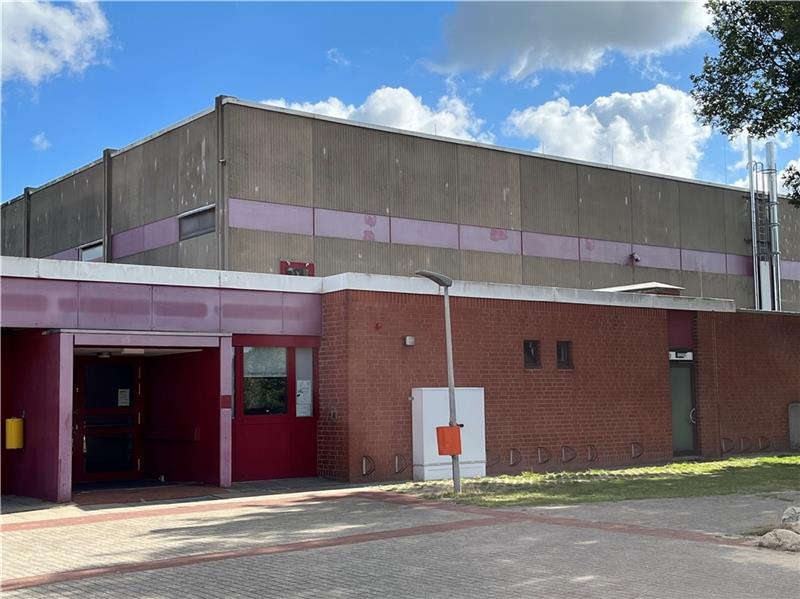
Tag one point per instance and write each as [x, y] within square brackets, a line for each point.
[182, 417]
[36, 373]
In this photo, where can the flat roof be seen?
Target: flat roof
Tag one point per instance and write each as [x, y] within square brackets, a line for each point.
[38, 268]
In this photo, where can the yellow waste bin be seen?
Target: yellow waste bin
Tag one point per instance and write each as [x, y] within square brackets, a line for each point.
[14, 438]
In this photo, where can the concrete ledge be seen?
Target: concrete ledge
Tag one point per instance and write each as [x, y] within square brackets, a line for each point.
[216, 279]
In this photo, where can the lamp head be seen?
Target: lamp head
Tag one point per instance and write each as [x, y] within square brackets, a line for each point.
[439, 279]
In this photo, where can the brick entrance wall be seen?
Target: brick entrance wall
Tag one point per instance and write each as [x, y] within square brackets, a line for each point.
[616, 395]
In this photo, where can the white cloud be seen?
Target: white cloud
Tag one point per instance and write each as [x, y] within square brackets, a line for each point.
[398, 107]
[337, 58]
[40, 142]
[524, 37]
[41, 39]
[655, 130]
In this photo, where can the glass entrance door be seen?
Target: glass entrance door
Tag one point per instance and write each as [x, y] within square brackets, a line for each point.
[106, 420]
[684, 413]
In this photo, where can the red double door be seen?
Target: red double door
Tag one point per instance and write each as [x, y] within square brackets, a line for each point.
[275, 407]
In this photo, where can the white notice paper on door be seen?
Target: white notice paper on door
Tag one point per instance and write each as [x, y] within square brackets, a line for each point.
[123, 398]
[305, 404]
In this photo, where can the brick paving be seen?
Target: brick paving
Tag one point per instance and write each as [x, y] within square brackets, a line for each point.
[364, 543]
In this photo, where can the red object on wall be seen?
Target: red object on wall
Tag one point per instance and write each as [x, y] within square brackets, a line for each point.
[448, 439]
[302, 269]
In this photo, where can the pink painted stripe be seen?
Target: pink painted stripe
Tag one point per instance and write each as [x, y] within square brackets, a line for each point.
[351, 225]
[485, 239]
[424, 233]
[70, 254]
[146, 237]
[653, 256]
[607, 252]
[544, 245]
[697, 261]
[790, 271]
[739, 265]
[264, 216]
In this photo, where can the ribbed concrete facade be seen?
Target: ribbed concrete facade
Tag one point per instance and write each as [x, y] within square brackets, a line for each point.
[347, 197]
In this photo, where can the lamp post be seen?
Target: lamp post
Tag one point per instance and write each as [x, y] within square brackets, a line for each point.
[445, 283]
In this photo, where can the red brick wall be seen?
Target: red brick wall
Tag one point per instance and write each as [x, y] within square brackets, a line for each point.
[617, 394]
[748, 372]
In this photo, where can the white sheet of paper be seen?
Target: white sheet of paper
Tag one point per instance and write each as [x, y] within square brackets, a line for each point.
[123, 398]
[305, 404]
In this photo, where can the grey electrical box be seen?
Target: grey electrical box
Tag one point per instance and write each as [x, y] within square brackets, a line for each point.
[794, 425]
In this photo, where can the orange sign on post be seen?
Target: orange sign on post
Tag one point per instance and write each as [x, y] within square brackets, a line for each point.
[448, 438]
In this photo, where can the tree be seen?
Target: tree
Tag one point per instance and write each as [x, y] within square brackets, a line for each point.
[754, 82]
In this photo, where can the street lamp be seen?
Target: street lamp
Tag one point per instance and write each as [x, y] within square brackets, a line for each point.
[446, 282]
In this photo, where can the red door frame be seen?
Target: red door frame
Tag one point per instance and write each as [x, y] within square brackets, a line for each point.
[268, 427]
[79, 413]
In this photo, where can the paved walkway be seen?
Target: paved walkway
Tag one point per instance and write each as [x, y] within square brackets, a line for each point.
[363, 542]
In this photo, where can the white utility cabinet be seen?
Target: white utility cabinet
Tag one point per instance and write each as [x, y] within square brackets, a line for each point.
[431, 408]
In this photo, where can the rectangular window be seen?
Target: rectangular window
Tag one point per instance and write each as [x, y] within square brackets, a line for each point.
[304, 379]
[92, 252]
[197, 223]
[564, 354]
[265, 381]
[532, 357]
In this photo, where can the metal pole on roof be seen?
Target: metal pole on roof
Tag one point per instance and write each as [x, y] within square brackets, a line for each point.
[445, 283]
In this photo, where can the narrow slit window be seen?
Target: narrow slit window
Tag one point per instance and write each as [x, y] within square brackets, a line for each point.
[564, 354]
[533, 358]
[92, 252]
[198, 223]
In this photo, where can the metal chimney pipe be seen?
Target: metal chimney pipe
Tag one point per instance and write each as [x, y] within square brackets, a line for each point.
[753, 220]
[774, 226]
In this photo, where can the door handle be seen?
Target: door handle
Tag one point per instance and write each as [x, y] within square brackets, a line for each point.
[692, 413]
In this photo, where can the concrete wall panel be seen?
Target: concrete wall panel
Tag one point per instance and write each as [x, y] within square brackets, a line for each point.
[654, 207]
[659, 275]
[423, 179]
[605, 205]
[595, 275]
[198, 252]
[790, 295]
[740, 289]
[269, 156]
[406, 259]
[700, 284]
[790, 231]
[12, 228]
[335, 256]
[350, 168]
[163, 256]
[262, 251]
[164, 176]
[550, 272]
[488, 188]
[737, 223]
[548, 196]
[491, 267]
[702, 217]
[68, 213]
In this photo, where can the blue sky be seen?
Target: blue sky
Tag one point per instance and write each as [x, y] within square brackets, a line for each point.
[598, 82]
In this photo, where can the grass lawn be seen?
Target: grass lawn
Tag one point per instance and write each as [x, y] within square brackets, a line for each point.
[685, 479]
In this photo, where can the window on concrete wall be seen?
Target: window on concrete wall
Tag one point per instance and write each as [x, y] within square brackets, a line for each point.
[92, 252]
[198, 222]
[265, 381]
[564, 354]
[533, 358]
